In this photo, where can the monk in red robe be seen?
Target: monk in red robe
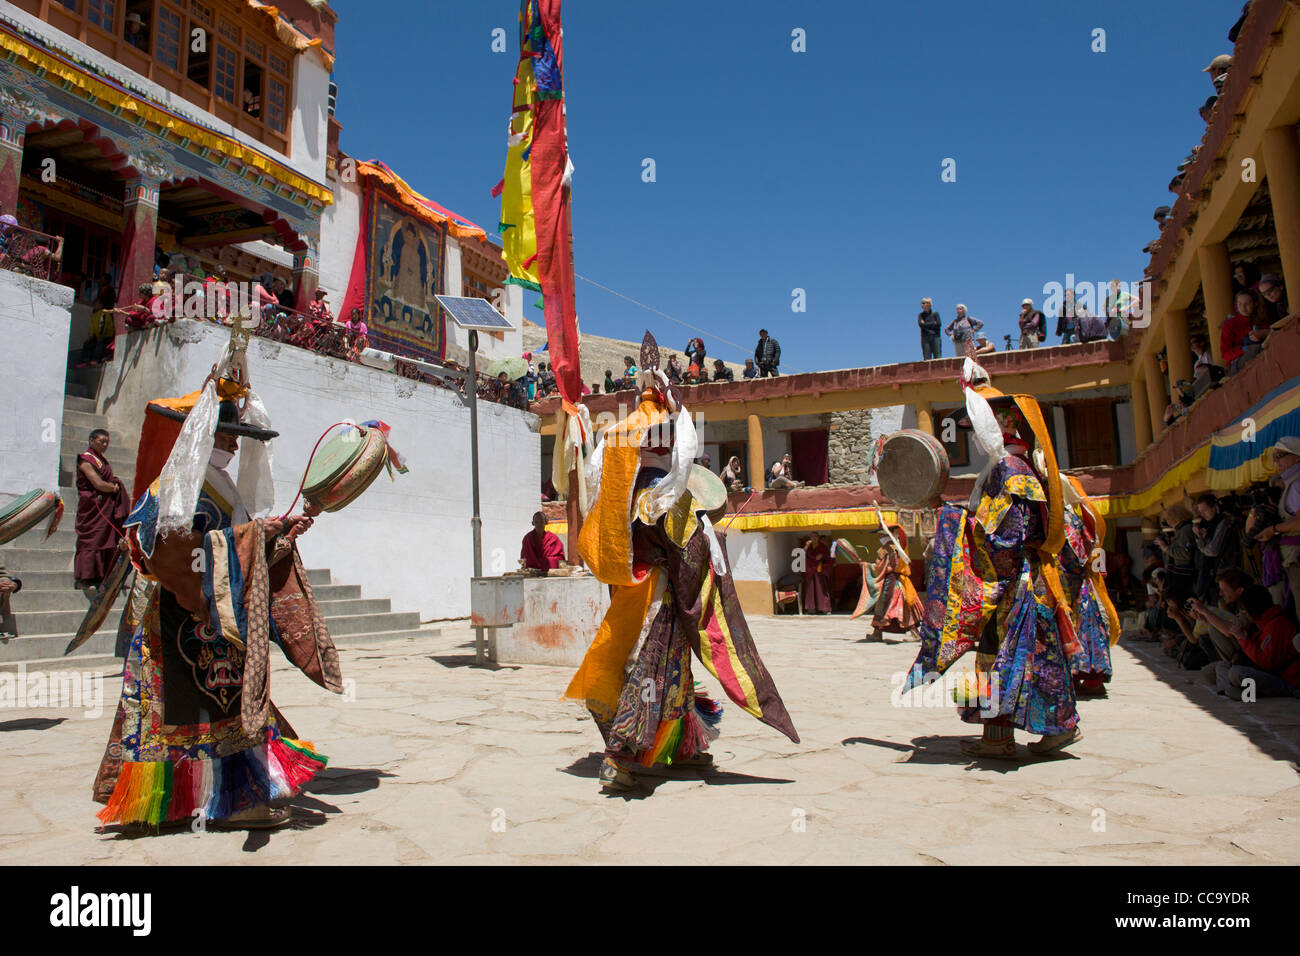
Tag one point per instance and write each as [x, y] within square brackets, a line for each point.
[102, 506]
[816, 576]
[542, 549]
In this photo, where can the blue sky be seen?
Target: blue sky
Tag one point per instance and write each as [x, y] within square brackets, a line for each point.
[820, 170]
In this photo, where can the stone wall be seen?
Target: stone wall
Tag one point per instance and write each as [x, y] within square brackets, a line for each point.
[850, 437]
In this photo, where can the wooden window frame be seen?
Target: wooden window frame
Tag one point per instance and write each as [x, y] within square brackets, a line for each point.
[246, 25]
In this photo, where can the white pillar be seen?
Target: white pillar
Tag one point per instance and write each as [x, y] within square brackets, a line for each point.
[1060, 437]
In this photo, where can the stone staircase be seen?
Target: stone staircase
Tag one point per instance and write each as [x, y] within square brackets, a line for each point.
[49, 609]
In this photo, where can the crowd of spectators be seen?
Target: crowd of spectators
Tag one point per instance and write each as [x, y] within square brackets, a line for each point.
[1074, 323]
[1222, 583]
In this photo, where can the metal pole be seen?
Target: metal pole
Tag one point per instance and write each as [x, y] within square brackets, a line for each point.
[476, 522]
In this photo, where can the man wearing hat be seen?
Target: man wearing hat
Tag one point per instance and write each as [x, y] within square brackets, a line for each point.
[1033, 327]
[1286, 458]
[136, 34]
[983, 346]
[196, 735]
[1218, 70]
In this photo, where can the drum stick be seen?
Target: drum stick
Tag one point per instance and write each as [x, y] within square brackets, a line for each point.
[310, 457]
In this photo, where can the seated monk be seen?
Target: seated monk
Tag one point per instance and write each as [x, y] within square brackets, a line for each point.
[542, 550]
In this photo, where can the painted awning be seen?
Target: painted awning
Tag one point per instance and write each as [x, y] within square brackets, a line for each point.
[291, 35]
[422, 206]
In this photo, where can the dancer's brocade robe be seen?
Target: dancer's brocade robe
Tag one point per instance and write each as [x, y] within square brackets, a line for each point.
[195, 731]
[988, 592]
[1086, 591]
[898, 609]
[671, 599]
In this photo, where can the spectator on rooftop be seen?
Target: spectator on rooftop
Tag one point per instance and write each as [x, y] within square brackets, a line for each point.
[1067, 322]
[136, 33]
[1273, 295]
[931, 326]
[1207, 108]
[609, 382]
[767, 354]
[781, 474]
[319, 308]
[629, 372]
[141, 315]
[1204, 372]
[733, 474]
[1092, 328]
[1241, 20]
[1238, 333]
[751, 371]
[1245, 275]
[695, 355]
[674, 370]
[721, 373]
[282, 292]
[1218, 70]
[983, 346]
[962, 330]
[1033, 326]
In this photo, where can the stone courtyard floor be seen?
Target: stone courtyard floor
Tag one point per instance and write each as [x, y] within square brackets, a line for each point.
[434, 761]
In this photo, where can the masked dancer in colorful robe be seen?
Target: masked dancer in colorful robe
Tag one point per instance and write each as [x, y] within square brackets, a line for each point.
[1096, 622]
[649, 534]
[196, 734]
[898, 609]
[995, 584]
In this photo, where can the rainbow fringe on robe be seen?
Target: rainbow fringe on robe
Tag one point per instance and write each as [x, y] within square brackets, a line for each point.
[163, 792]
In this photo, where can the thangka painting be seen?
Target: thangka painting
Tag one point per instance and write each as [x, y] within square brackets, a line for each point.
[405, 271]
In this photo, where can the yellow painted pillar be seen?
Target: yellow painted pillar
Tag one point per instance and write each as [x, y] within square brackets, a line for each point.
[1216, 284]
[757, 466]
[1177, 346]
[1156, 398]
[1141, 416]
[924, 418]
[1282, 166]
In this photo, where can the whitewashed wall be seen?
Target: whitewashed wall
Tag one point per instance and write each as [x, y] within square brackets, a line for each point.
[310, 128]
[747, 553]
[34, 319]
[340, 225]
[408, 540]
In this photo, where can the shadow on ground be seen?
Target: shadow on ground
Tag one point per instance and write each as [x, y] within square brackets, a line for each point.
[1272, 723]
[647, 783]
[31, 723]
[947, 750]
[467, 660]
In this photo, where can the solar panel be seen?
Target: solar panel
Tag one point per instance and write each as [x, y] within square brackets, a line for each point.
[473, 312]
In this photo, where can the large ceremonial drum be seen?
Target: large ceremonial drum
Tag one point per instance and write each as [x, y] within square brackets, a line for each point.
[26, 513]
[344, 467]
[912, 468]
